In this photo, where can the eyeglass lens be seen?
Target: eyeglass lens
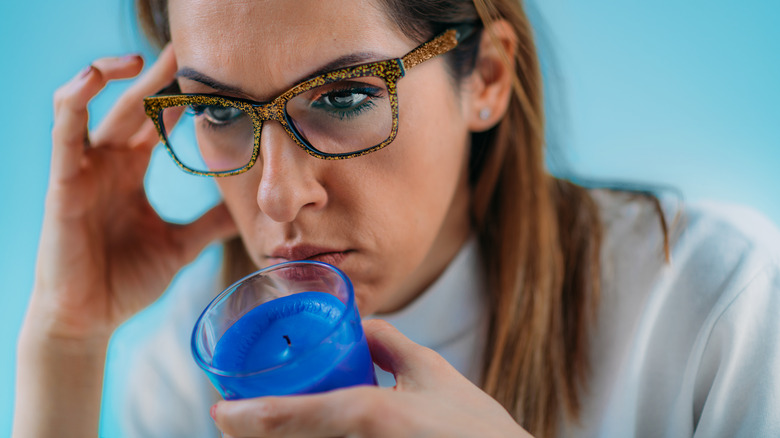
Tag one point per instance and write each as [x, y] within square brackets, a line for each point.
[335, 118]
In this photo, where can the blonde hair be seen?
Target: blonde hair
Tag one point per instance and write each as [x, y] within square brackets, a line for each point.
[539, 236]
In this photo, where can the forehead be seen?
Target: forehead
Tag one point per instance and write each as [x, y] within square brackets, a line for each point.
[264, 46]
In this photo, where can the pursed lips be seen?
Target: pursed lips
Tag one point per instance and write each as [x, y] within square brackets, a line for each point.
[308, 252]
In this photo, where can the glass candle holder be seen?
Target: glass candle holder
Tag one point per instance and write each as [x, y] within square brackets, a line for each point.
[291, 328]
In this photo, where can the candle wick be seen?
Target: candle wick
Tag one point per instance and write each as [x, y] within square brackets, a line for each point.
[287, 338]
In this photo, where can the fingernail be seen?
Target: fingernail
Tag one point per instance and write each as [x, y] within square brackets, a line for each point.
[87, 70]
[213, 412]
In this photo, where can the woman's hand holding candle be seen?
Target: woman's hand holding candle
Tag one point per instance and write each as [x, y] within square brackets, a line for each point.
[430, 399]
[291, 328]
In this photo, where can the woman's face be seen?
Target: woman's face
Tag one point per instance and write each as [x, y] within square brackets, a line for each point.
[392, 219]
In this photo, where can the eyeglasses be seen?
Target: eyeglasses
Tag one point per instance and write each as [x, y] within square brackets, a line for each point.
[342, 114]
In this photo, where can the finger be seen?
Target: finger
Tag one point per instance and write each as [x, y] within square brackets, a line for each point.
[335, 413]
[123, 67]
[128, 115]
[148, 135]
[393, 352]
[70, 113]
[213, 225]
[146, 138]
[171, 117]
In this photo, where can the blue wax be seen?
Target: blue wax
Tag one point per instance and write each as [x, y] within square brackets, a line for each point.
[298, 344]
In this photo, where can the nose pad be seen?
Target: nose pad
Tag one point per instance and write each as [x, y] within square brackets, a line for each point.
[289, 182]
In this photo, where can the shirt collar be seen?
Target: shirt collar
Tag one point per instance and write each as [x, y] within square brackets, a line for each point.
[452, 306]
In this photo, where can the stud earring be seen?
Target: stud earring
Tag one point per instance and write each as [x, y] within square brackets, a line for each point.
[484, 113]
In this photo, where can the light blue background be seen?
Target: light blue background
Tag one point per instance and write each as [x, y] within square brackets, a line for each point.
[682, 93]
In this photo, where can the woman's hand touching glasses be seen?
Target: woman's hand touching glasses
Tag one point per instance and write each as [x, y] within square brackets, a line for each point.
[104, 252]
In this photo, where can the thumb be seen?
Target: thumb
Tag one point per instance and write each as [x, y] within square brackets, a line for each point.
[397, 354]
[213, 225]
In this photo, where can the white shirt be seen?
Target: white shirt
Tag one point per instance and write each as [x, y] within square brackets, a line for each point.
[451, 317]
[690, 348]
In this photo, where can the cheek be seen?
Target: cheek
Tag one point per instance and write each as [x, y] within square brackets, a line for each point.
[414, 184]
[420, 189]
[428, 157]
[239, 193]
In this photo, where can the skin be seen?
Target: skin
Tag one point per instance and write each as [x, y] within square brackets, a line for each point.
[402, 212]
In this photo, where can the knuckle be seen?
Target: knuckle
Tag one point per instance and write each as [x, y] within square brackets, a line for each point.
[368, 408]
[59, 96]
[65, 96]
[71, 93]
[433, 359]
[379, 324]
[427, 354]
[104, 63]
[270, 420]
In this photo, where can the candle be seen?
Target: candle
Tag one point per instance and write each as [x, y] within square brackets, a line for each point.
[291, 328]
[275, 332]
[283, 338]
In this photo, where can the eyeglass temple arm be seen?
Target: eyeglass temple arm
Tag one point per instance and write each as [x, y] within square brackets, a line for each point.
[437, 46]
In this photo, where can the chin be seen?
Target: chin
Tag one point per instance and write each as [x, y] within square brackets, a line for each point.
[366, 303]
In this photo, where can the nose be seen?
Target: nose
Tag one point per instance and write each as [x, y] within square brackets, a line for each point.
[288, 183]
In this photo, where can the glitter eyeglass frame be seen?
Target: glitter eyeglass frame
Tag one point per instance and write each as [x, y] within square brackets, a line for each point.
[390, 71]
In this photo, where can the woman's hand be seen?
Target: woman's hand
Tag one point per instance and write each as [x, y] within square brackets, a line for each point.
[430, 399]
[105, 253]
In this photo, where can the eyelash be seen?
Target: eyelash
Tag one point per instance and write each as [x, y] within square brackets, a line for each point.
[371, 92]
[198, 110]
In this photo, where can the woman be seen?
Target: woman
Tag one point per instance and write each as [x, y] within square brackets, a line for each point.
[579, 326]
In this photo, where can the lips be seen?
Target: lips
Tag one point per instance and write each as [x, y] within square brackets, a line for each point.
[308, 252]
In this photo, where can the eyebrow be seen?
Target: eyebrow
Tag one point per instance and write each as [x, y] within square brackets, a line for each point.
[345, 61]
[340, 62]
[192, 74]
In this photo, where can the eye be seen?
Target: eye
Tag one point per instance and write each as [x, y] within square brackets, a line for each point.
[344, 99]
[347, 101]
[215, 114]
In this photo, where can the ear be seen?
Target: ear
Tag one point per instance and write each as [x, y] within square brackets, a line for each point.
[489, 87]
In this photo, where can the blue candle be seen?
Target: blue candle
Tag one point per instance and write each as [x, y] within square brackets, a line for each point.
[298, 344]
